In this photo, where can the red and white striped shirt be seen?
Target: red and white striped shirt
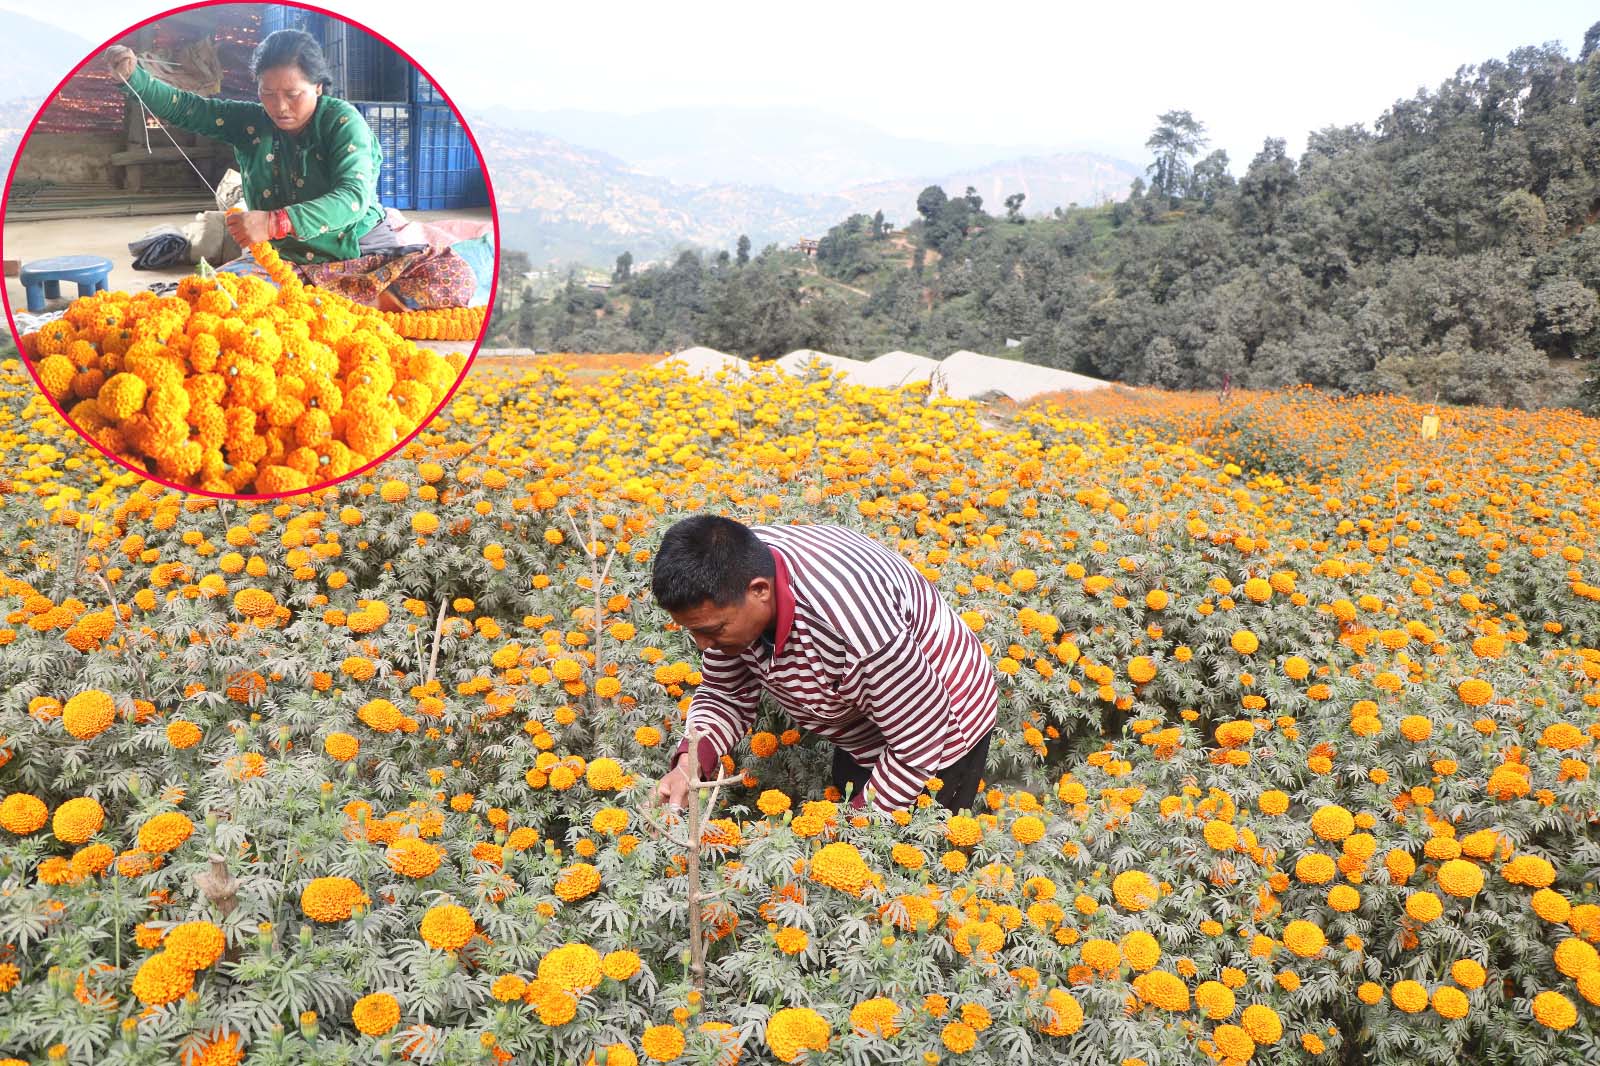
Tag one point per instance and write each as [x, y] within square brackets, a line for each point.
[867, 654]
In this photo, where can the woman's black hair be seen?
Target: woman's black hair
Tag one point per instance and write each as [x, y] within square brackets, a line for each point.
[708, 557]
[297, 48]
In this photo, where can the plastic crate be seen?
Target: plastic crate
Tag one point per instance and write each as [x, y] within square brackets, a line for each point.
[391, 124]
[364, 68]
[425, 92]
[449, 174]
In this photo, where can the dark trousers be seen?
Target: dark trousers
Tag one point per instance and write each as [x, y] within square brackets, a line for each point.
[960, 777]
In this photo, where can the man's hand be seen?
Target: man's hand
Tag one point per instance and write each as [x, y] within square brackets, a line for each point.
[673, 791]
[121, 61]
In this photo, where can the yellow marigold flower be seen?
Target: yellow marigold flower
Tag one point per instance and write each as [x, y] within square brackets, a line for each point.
[839, 865]
[93, 860]
[1245, 642]
[380, 715]
[508, 987]
[255, 603]
[1450, 1003]
[1314, 868]
[605, 775]
[879, 1016]
[795, 1029]
[88, 714]
[183, 735]
[1416, 728]
[161, 980]
[1304, 939]
[578, 881]
[1262, 1023]
[908, 856]
[1409, 996]
[194, 945]
[1141, 669]
[1215, 999]
[1141, 950]
[77, 820]
[447, 927]
[1554, 1011]
[1332, 823]
[1273, 802]
[772, 802]
[1343, 898]
[958, 1037]
[963, 831]
[1530, 870]
[341, 746]
[1424, 906]
[1461, 878]
[1475, 692]
[165, 832]
[412, 857]
[1574, 957]
[1551, 905]
[1163, 990]
[663, 1043]
[1400, 865]
[1028, 829]
[573, 967]
[1135, 890]
[376, 1014]
[1062, 1014]
[620, 965]
[1234, 1042]
[332, 899]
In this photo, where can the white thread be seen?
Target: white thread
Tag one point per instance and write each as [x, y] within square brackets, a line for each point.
[215, 195]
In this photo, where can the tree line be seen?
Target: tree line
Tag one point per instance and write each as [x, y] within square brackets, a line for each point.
[1448, 251]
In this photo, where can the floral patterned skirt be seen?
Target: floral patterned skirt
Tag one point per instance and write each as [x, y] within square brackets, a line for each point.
[421, 280]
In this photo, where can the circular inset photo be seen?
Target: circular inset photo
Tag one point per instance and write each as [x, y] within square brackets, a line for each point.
[254, 248]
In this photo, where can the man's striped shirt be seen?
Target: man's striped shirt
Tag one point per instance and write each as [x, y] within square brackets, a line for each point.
[867, 654]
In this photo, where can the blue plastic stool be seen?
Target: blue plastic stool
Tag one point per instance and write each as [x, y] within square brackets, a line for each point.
[42, 278]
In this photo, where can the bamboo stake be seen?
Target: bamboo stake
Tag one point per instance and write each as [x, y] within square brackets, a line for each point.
[438, 636]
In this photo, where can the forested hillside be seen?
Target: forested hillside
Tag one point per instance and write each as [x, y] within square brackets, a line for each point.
[1446, 250]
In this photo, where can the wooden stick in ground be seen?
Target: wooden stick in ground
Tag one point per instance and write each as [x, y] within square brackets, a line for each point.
[438, 635]
[697, 947]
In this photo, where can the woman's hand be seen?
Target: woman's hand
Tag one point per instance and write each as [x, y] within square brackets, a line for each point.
[249, 227]
[121, 61]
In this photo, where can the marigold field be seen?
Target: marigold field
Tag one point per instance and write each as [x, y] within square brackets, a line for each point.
[1295, 764]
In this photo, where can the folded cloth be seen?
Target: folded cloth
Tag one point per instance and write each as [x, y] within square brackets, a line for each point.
[161, 247]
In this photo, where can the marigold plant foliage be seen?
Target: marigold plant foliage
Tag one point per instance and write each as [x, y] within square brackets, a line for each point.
[1296, 759]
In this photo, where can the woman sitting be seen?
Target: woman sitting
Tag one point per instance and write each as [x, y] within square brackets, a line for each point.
[309, 164]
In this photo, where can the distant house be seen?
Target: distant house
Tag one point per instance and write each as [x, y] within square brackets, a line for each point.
[807, 246]
[597, 286]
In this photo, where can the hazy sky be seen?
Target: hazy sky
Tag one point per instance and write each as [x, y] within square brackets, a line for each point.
[1015, 74]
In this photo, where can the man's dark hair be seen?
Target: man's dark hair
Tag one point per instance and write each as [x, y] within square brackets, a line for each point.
[293, 48]
[708, 557]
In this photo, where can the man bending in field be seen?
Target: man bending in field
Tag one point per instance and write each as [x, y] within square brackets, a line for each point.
[849, 638]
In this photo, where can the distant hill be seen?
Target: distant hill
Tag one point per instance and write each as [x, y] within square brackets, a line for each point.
[796, 150]
[1048, 182]
[562, 203]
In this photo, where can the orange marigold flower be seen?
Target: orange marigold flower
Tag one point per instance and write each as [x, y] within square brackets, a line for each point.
[376, 1014]
[165, 832]
[447, 927]
[88, 714]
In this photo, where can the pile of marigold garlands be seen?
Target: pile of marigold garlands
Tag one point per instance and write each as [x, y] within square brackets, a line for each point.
[235, 385]
[1288, 770]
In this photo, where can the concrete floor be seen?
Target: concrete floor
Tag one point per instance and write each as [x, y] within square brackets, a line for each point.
[109, 237]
